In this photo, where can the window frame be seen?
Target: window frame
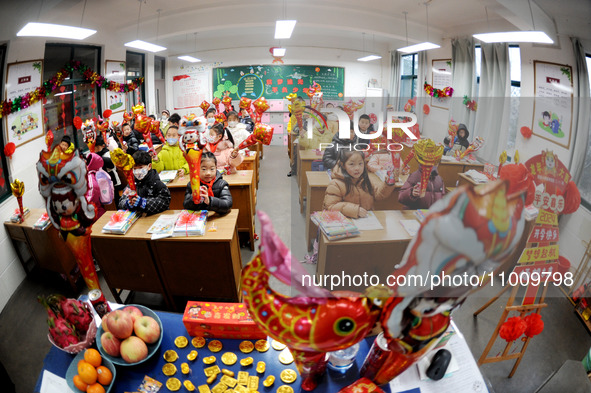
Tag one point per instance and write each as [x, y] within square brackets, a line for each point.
[129, 78]
[5, 167]
[412, 77]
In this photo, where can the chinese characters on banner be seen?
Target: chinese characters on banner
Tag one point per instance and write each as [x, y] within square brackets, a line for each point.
[190, 89]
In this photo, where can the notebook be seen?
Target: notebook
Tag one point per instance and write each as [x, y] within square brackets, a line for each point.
[120, 222]
[190, 223]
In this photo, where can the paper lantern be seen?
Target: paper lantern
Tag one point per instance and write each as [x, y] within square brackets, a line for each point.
[535, 325]
[512, 329]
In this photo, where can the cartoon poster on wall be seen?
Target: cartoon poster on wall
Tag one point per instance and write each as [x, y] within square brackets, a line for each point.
[442, 78]
[115, 71]
[27, 124]
[553, 103]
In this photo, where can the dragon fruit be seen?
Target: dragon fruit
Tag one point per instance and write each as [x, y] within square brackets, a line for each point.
[62, 332]
[76, 313]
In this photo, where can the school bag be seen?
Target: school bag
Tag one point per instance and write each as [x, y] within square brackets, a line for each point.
[106, 186]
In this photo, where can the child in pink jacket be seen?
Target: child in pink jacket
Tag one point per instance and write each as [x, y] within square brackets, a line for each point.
[380, 161]
[221, 144]
[94, 162]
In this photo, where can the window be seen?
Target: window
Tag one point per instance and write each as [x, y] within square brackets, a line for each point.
[585, 182]
[75, 97]
[159, 83]
[4, 179]
[408, 79]
[135, 69]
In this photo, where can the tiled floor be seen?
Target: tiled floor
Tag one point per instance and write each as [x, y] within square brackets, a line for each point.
[23, 331]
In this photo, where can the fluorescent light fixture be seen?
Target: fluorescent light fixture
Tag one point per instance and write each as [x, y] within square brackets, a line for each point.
[33, 29]
[143, 45]
[418, 47]
[369, 58]
[515, 36]
[190, 59]
[284, 28]
[279, 52]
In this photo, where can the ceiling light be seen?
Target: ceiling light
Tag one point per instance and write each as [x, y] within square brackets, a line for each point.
[33, 29]
[190, 59]
[284, 28]
[418, 47]
[515, 36]
[143, 45]
[279, 52]
[369, 58]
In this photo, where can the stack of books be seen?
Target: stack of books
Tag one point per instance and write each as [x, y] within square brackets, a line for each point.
[167, 176]
[190, 223]
[42, 223]
[120, 222]
[334, 225]
[16, 215]
[163, 226]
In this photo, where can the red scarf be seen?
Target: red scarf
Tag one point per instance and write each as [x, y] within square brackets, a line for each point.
[213, 147]
[209, 187]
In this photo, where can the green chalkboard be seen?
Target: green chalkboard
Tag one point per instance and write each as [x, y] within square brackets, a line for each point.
[277, 81]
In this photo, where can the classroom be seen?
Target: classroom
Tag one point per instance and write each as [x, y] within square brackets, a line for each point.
[378, 196]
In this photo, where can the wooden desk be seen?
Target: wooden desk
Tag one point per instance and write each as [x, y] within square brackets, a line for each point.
[243, 198]
[450, 170]
[374, 252]
[465, 179]
[317, 182]
[251, 163]
[258, 147]
[46, 247]
[179, 266]
[305, 158]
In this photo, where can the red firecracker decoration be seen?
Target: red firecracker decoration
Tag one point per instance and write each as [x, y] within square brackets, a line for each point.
[512, 329]
[535, 325]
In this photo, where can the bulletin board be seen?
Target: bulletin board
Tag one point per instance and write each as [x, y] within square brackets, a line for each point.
[190, 87]
[553, 102]
[115, 71]
[442, 78]
[26, 124]
[274, 82]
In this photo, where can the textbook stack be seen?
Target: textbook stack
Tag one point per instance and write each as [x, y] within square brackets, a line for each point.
[120, 222]
[334, 225]
[190, 223]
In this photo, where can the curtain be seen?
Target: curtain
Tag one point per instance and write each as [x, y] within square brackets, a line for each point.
[463, 82]
[422, 97]
[395, 74]
[581, 109]
[492, 116]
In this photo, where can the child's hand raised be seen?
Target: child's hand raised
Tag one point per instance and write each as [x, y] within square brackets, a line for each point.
[204, 195]
[362, 212]
[416, 190]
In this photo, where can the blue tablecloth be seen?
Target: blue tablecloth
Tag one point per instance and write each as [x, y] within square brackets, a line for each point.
[129, 378]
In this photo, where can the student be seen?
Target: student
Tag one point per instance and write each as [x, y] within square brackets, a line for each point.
[320, 135]
[221, 144]
[409, 194]
[66, 144]
[246, 120]
[331, 153]
[210, 116]
[380, 161]
[353, 190]
[154, 137]
[171, 157]
[94, 162]
[152, 195]
[365, 126]
[108, 166]
[132, 143]
[460, 141]
[214, 189]
[237, 129]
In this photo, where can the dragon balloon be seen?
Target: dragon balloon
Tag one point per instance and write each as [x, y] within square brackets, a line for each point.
[192, 143]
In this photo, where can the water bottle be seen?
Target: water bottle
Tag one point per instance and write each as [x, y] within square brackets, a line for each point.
[342, 360]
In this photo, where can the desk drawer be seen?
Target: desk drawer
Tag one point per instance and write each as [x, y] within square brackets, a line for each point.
[16, 233]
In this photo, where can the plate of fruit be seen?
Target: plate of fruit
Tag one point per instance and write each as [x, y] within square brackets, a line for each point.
[129, 335]
[90, 372]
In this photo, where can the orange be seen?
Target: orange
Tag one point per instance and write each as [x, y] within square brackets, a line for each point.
[79, 383]
[93, 357]
[87, 373]
[95, 388]
[81, 363]
[104, 375]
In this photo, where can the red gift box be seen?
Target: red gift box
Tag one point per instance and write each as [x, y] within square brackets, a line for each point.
[220, 320]
[362, 385]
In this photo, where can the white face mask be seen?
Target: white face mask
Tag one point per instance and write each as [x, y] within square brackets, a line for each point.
[232, 124]
[210, 120]
[211, 139]
[140, 173]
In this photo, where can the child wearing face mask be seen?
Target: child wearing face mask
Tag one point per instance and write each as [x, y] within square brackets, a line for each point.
[210, 117]
[214, 190]
[151, 195]
[171, 157]
[237, 129]
[246, 120]
[220, 142]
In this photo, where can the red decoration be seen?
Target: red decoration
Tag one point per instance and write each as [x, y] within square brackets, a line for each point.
[9, 149]
[362, 385]
[519, 179]
[572, 198]
[535, 325]
[77, 121]
[512, 329]
[204, 106]
[117, 217]
[426, 109]
[526, 132]
[107, 113]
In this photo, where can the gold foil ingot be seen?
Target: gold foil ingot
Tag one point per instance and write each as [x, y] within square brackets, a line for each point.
[203, 389]
[284, 389]
[243, 378]
[227, 372]
[181, 341]
[170, 355]
[229, 358]
[269, 381]
[262, 345]
[173, 384]
[288, 376]
[219, 388]
[214, 345]
[253, 383]
[169, 369]
[198, 342]
[241, 389]
[185, 369]
[209, 360]
[285, 357]
[246, 347]
[209, 371]
[192, 355]
[277, 345]
[189, 385]
[229, 381]
[246, 361]
[211, 379]
[261, 367]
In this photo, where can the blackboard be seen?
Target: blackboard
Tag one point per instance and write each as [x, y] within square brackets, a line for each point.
[277, 81]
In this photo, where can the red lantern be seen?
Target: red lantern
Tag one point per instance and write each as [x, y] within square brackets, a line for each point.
[535, 325]
[512, 329]
[9, 149]
[77, 122]
[426, 109]
[526, 132]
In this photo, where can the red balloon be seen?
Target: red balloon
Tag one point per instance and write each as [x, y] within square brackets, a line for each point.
[142, 123]
[245, 103]
[426, 109]
[77, 122]
[107, 113]
[9, 149]
[204, 106]
[572, 198]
